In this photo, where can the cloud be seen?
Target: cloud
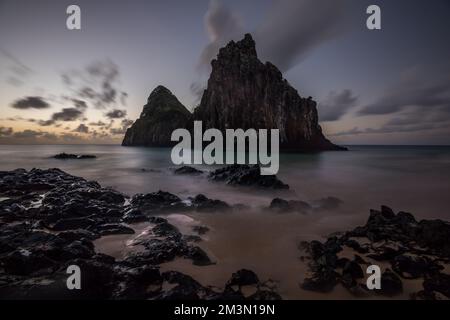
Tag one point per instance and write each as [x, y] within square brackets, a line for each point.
[392, 129]
[67, 114]
[6, 132]
[30, 103]
[46, 123]
[117, 131]
[123, 98]
[79, 104]
[97, 124]
[197, 88]
[417, 91]
[222, 25]
[98, 83]
[127, 123]
[116, 114]
[28, 134]
[18, 70]
[336, 105]
[81, 129]
[292, 29]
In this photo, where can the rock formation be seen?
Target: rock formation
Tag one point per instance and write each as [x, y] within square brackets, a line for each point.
[242, 93]
[245, 93]
[162, 114]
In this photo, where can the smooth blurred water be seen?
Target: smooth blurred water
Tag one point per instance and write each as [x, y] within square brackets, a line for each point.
[408, 178]
[414, 179]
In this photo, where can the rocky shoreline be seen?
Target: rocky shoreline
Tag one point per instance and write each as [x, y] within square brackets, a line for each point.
[409, 249]
[50, 219]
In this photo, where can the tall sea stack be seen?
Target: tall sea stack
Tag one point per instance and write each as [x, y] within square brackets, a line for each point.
[245, 93]
[242, 93]
[162, 114]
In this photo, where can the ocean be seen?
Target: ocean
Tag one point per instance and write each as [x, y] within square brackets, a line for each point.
[407, 178]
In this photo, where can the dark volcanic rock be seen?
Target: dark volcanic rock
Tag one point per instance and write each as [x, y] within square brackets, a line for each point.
[246, 175]
[413, 267]
[245, 93]
[64, 156]
[186, 170]
[439, 282]
[414, 250]
[200, 229]
[322, 281]
[34, 260]
[243, 277]
[157, 202]
[281, 205]
[134, 216]
[162, 114]
[202, 203]
[390, 284]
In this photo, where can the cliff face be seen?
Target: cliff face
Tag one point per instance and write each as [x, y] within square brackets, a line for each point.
[242, 93]
[162, 114]
[245, 93]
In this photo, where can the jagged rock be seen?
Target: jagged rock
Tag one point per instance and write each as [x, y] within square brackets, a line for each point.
[439, 282]
[186, 170]
[243, 277]
[162, 114]
[200, 229]
[34, 261]
[281, 205]
[157, 201]
[245, 175]
[113, 228]
[202, 203]
[390, 284]
[134, 216]
[65, 156]
[413, 267]
[353, 269]
[198, 256]
[245, 93]
[322, 281]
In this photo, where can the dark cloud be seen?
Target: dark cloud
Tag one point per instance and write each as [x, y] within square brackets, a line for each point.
[46, 123]
[222, 25]
[392, 129]
[81, 129]
[70, 138]
[67, 114]
[417, 92]
[127, 123]
[28, 134]
[6, 132]
[116, 114]
[117, 131]
[292, 29]
[79, 104]
[30, 103]
[289, 31]
[98, 83]
[97, 124]
[336, 105]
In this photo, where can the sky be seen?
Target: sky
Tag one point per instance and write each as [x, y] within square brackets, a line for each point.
[60, 86]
